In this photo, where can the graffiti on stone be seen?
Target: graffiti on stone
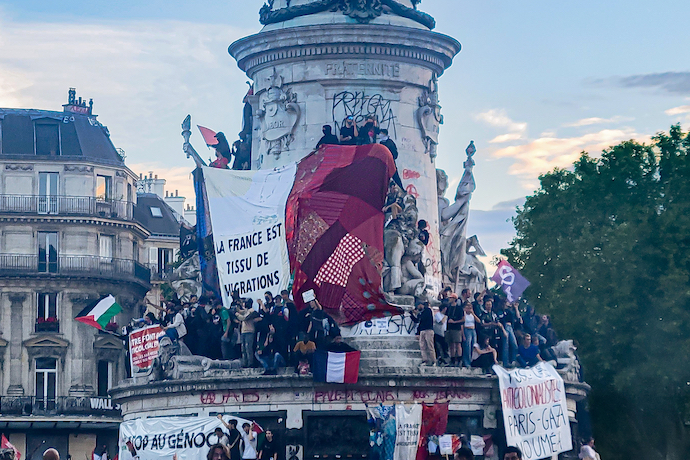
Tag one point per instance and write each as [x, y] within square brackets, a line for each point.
[360, 105]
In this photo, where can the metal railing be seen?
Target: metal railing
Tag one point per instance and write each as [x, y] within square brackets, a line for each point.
[60, 405]
[60, 205]
[106, 267]
[160, 275]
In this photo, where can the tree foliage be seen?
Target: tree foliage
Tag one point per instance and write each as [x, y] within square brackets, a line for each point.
[606, 247]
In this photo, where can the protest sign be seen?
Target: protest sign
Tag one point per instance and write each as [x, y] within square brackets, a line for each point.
[143, 347]
[408, 426]
[161, 437]
[534, 410]
[510, 280]
[247, 211]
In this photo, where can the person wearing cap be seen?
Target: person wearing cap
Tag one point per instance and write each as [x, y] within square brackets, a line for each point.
[425, 328]
[327, 138]
[349, 132]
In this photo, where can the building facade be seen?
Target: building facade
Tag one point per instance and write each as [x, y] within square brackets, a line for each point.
[68, 236]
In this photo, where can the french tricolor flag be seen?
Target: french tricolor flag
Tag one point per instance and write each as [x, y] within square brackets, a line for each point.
[336, 367]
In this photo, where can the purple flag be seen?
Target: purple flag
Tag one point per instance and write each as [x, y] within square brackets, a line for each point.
[512, 282]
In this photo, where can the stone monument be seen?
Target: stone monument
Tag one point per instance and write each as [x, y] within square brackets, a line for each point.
[318, 61]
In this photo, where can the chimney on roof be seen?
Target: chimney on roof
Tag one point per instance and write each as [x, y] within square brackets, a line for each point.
[176, 193]
[156, 177]
[75, 105]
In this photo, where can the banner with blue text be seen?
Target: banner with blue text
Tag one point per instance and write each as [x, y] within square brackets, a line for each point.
[534, 410]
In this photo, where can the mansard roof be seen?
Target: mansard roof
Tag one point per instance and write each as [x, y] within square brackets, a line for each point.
[29, 134]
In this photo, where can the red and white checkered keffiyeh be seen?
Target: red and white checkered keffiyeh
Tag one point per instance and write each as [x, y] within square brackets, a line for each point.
[336, 270]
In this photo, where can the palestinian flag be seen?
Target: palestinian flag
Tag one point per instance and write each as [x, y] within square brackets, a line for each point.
[99, 313]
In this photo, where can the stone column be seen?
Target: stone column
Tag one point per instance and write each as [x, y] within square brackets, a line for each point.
[307, 74]
[16, 338]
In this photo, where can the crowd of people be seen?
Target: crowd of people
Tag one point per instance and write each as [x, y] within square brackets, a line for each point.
[272, 336]
[477, 330]
[481, 330]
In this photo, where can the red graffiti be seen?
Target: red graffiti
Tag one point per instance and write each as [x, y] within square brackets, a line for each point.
[250, 396]
[412, 190]
[208, 397]
[410, 174]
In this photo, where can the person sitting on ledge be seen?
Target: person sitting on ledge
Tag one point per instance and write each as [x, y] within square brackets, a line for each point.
[338, 346]
[484, 355]
[528, 352]
[267, 354]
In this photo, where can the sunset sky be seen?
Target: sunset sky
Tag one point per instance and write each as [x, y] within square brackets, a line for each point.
[535, 83]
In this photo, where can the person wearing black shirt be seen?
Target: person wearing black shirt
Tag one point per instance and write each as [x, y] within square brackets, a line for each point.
[234, 438]
[327, 138]
[368, 132]
[425, 328]
[494, 330]
[390, 144]
[269, 449]
[349, 132]
[456, 319]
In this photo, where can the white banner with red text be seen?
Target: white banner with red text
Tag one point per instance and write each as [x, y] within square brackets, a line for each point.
[534, 410]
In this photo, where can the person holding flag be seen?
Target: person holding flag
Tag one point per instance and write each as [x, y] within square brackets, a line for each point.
[5, 444]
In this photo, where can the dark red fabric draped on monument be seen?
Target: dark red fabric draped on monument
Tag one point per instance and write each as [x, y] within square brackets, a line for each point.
[334, 223]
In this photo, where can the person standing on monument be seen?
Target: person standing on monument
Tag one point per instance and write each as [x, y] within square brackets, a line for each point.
[425, 329]
[368, 132]
[454, 332]
[327, 138]
[349, 132]
[390, 145]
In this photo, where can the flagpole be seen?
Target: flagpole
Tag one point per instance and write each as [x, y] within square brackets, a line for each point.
[187, 147]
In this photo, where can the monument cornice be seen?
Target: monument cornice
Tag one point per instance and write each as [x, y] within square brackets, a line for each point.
[345, 41]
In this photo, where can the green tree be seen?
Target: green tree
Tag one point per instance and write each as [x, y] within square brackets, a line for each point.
[606, 247]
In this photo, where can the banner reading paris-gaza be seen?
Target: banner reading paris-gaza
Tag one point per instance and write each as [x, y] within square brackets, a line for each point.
[247, 211]
[534, 410]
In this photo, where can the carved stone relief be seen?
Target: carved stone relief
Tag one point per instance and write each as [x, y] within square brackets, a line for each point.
[429, 117]
[19, 167]
[79, 169]
[279, 114]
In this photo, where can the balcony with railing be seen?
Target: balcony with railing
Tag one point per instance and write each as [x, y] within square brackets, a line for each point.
[160, 273]
[60, 405]
[59, 205]
[91, 266]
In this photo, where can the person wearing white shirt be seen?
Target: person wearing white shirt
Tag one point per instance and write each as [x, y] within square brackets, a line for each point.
[587, 451]
[176, 330]
[249, 442]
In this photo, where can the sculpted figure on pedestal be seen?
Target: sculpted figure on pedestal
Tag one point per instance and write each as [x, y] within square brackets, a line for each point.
[402, 249]
[473, 273]
[429, 117]
[279, 115]
[453, 221]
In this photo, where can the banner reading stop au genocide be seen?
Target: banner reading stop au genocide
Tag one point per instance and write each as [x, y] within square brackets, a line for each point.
[161, 437]
[143, 347]
[248, 218]
[534, 410]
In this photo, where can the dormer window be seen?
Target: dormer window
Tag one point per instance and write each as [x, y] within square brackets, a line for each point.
[156, 211]
[47, 134]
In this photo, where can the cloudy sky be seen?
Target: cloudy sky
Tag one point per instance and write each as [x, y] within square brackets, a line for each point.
[535, 83]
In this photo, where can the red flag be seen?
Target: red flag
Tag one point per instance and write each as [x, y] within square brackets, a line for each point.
[5, 444]
[334, 229]
[256, 428]
[208, 135]
[434, 422]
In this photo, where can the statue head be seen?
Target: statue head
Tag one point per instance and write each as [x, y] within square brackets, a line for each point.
[441, 182]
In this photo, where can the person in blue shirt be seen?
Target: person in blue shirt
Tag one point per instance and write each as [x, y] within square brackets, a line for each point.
[528, 352]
